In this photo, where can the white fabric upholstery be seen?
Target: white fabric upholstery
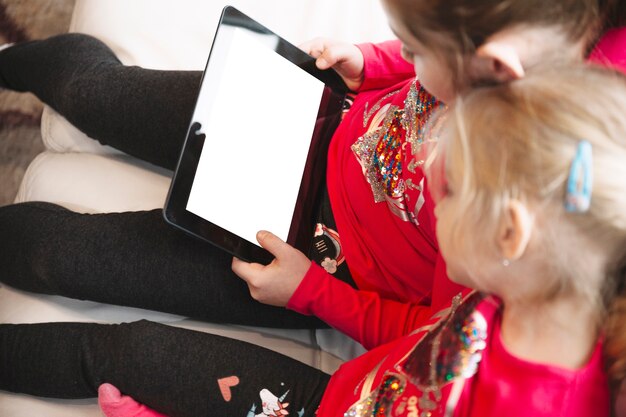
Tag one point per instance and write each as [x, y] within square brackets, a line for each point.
[79, 173]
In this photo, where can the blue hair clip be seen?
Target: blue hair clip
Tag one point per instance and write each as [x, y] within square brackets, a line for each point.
[580, 180]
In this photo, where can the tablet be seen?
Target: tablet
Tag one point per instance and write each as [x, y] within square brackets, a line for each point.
[255, 153]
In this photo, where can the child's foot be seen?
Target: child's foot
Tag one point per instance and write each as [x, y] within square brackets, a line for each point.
[114, 404]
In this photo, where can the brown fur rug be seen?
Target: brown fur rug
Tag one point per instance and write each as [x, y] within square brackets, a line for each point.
[20, 114]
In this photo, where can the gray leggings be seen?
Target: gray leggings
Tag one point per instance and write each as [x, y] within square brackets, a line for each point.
[142, 112]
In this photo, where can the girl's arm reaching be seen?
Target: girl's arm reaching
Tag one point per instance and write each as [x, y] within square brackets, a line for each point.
[384, 65]
[363, 67]
[292, 280]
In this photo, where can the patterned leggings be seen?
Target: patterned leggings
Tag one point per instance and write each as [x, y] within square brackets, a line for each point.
[175, 371]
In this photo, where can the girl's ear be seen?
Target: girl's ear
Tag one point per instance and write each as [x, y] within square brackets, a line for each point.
[515, 230]
[496, 60]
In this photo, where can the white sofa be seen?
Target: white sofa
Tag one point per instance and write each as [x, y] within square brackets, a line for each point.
[79, 173]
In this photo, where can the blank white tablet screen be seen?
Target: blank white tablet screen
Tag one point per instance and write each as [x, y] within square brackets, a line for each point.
[258, 112]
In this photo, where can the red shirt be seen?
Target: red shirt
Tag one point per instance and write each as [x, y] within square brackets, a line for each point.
[478, 376]
[389, 245]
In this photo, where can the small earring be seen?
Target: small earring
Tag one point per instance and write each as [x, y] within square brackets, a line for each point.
[506, 262]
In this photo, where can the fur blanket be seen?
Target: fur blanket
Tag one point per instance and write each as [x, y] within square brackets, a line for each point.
[20, 140]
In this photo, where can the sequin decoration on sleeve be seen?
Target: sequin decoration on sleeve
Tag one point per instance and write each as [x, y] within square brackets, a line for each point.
[449, 353]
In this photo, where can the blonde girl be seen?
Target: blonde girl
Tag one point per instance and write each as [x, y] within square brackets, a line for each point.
[531, 208]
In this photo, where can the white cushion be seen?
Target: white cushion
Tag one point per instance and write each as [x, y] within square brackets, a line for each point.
[91, 182]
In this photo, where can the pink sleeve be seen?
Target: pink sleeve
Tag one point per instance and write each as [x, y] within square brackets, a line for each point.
[362, 315]
[384, 66]
[610, 50]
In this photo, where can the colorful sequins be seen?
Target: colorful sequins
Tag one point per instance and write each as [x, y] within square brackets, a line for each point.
[418, 106]
[387, 158]
[449, 353]
[381, 151]
[378, 404]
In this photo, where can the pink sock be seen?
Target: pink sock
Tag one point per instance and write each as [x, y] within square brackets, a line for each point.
[114, 404]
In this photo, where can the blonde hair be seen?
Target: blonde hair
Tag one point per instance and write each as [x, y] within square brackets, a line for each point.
[518, 141]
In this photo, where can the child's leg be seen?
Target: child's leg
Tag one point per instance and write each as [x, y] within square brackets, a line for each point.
[132, 259]
[143, 112]
[177, 372]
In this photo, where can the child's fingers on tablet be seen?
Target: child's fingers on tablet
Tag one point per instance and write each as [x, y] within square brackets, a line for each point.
[275, 283]
[314, 47]
[272, 243]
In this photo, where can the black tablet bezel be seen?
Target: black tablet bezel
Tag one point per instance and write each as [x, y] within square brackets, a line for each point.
[303, 222]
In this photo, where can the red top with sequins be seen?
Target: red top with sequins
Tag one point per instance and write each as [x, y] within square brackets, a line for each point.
[474, 374]
[383, 214]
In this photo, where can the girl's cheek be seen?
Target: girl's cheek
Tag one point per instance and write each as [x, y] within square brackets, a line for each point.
[440, 205]
[418, 64]
[406, 55]
[439, 193]
[438, 213]
[438, 180]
